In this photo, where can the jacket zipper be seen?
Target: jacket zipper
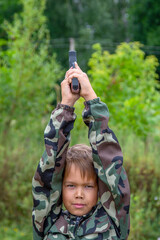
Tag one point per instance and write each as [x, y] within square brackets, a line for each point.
[78, 219]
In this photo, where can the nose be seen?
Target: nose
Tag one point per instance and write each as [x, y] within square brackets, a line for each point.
[79, 193]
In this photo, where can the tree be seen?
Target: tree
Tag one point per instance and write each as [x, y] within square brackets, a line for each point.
[86, 21]
[144, 21]
[27, 71]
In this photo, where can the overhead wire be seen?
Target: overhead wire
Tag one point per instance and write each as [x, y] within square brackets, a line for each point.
[106, 44]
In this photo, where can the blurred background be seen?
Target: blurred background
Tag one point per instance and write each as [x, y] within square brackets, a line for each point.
[118, 45]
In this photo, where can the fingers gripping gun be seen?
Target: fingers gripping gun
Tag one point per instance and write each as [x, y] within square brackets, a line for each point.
[75, 84]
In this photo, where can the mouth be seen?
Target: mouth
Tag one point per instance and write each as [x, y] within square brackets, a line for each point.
[78, 205]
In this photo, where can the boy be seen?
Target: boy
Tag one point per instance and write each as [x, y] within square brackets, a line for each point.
[80, 175]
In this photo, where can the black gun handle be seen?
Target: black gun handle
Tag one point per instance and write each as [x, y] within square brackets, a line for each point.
[75, 85]
[75, 88]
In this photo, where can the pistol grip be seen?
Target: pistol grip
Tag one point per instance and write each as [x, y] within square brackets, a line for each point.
[75, 85]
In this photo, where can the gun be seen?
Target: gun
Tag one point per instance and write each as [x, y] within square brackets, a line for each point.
[75, 88]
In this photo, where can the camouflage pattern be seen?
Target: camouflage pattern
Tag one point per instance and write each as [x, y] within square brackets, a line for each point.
[109, 219]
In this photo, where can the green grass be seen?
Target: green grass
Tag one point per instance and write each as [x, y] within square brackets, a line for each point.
[16, 232]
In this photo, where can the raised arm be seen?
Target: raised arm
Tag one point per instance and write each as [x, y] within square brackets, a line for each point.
[47, 180]
[113, 184]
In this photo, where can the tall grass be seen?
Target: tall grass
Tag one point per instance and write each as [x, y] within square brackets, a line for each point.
[143, 171]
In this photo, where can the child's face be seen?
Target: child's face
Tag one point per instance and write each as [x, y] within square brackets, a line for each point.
[79, 194]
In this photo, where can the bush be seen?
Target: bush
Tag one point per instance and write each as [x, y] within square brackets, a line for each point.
[126, 80]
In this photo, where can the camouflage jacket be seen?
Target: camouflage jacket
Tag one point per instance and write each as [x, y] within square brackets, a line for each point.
[109, 219]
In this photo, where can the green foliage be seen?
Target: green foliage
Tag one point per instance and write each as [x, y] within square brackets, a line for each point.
[144, 21]
[79, 134]
[18, 160]
[127, 82]
[144, 178]
[87, 22]
[74, 17]
[16, 232]
[27, 73]
[109, 22]
[28, 76]
[7, 10]
[145, 218]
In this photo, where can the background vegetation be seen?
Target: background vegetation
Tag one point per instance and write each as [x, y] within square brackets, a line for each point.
[34, 46]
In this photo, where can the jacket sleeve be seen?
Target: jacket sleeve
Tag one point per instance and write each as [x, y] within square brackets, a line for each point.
[47, 181]
[114, 191]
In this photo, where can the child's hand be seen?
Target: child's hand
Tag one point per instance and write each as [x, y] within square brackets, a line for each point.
[68, 98]
[86, 91]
